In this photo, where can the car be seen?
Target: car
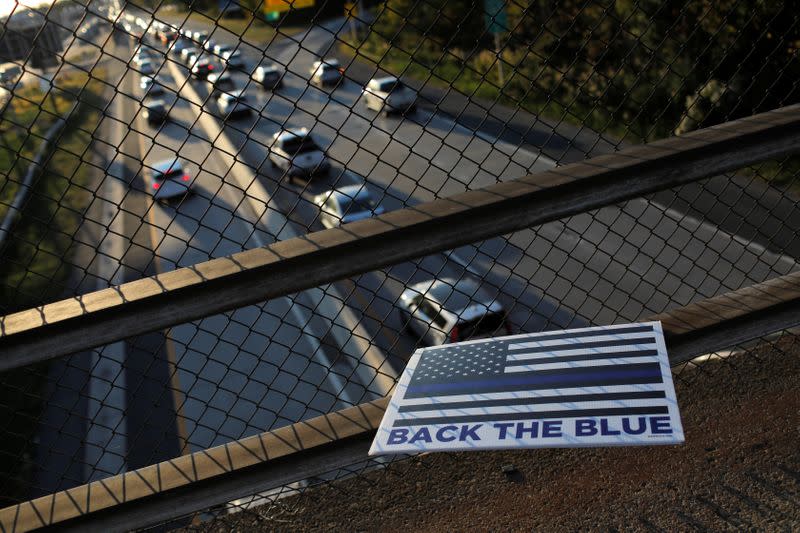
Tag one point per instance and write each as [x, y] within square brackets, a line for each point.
[451, 310]
[346, 204]
[326, 72]
[179, 45]
[202, 69]
[221, 48]
[221, 82]
[187, 52]
[269, 76]
[234, 104]
[389, 95]
[209, 45]
[147, 67]
[169, 180]
[192, 58]
[295, 152]
[234, 59]
[151, 86]
[200, 36]
[156, 112]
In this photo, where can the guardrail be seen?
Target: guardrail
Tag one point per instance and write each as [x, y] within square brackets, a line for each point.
[306, 449]
[292, 265]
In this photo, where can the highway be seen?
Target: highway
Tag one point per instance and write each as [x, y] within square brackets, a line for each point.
[253, 369]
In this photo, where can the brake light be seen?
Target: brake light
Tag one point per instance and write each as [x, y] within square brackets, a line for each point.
[341, 70]
[156, 185]
[186, 177]
[211, 67]
[454, 334]
[508, 327]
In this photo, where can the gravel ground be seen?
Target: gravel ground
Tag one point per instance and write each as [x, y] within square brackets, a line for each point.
[739, 469]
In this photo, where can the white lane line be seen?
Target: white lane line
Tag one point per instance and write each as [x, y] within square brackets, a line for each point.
[754, 247]
[330, 306]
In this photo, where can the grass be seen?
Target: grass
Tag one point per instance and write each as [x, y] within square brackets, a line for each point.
[36, 258]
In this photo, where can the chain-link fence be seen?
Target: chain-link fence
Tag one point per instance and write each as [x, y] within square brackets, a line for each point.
[141, 138]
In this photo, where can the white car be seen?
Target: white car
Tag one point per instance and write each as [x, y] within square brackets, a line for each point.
[296, 153]
[169, 180]
[451, 310]
[234, 104]
[269, 76]
[234, 59]
[326, 72]
[346, 204]
[221, 82]
[151, 86]
[389, 95]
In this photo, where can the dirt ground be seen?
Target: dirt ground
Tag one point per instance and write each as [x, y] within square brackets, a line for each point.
[739, 469]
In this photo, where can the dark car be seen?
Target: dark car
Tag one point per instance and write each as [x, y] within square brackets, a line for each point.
[269, 76]
[202, 68]
[156, 112]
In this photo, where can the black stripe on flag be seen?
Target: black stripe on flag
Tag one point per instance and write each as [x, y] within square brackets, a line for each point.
[610, 396]
[572, 413]
[585, 357]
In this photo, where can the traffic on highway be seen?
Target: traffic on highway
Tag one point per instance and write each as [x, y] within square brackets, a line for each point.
[215, 145]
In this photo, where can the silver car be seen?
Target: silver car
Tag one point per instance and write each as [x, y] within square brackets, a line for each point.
[234, 104]
[169, 180]
[451, 310]
[269, 76]
[326, 73]
[296, 153]
[390, 95]
[346, 204]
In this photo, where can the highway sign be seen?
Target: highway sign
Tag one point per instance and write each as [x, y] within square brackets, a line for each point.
[599, 386]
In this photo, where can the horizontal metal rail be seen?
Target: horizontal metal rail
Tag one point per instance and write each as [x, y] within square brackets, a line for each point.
[306, 449]
[293, 265]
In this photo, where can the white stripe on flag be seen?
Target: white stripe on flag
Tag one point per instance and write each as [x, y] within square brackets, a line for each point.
[582, 364]
[535, 408]
[525, 356]
[600, 337]
[567, 391]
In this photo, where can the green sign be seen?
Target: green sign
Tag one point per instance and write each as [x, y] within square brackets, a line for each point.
[494, 15]
[272, 16]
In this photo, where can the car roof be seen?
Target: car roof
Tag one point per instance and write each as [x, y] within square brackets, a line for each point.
[156, 103]
[356, 190]
[331, 61]
[167, 165]
[453, 294]
[269, 68]
[381, 81]
[291, 133]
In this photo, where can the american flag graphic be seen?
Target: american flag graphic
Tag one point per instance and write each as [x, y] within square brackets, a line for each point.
[615, 371]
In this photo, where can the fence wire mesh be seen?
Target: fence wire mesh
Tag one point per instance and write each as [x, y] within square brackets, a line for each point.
[139, 137]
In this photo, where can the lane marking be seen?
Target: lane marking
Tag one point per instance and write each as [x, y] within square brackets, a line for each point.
[259, 199]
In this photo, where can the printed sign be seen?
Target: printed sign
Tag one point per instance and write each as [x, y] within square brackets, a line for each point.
[599, 386]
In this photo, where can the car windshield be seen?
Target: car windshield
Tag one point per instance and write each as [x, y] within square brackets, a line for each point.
[175, 173]
[362, 202]
[300, 145]
[488, 324]
[391, 85]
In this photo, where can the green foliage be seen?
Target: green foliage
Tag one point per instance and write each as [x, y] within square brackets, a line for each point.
[639, 69]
